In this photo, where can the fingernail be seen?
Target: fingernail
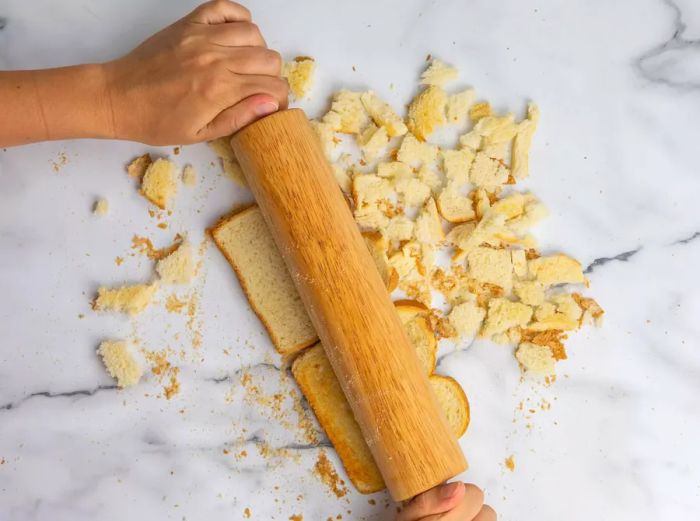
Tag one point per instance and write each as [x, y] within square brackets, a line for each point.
[266, 108]
[449, 490]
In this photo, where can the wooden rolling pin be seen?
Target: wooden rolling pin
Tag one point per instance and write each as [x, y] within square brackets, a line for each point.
[348, 303]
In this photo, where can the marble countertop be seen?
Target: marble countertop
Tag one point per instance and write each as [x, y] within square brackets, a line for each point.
[615, 159]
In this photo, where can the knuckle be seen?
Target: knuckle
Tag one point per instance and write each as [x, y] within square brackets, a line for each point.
[475, 493]
[275, 59]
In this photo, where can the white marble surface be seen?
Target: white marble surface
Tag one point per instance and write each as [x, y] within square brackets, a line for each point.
[615, 159]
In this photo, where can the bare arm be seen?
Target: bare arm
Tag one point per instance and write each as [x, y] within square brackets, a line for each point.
[203, 77]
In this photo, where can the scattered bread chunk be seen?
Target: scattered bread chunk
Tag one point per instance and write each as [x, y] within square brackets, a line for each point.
[530, 292]
[326, 136]
[427, 111]
[495, 130]
[458, 106]
[487, 173]
[394, 170]
[467, 318]
[480, 110]
[383, 115]
[454, 206]
[430, 177]
[412, 191]
[492, 266]
[121, 362]
[428, 228]
[138, 166]
[421, 336]
[343, 177]
[159, 185]
[503, 315]
[377, 246]
[222, 148]
[248, 246]
[126, 299]
[519, 260]
[398, 229]
[453, 402]
[523, 139]
[456, 164]
[179, 267]
[347, 114]
[189, 176]
[438, 73]
[299, 73]
[556, 269]
[535, 359]
[414, 152]
[373, 141]
[101, 207]
[316, 379]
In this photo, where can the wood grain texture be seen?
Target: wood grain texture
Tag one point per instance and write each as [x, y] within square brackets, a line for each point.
[348, 303]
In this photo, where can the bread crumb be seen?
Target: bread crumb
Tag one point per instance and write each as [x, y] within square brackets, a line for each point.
[503, 315]
[246, 513]
[454, 206]
[510, 463]
[467, 318]
[128, 299]
[438, 73]
[427, 111]
[120, 361]
[522, 142]
[479, 110]
[458, 106]
[299, 73]
[492, 266]
[158, 183]
[173, 304]
[414, 152]
[556, 269]
[329, 476]
[101, 207]
[347, 114]
[189, 176]
[373, 140]
[534, 359]
[179, 267]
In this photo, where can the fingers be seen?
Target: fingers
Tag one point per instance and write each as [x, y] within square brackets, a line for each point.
[486, 514]
[277, 88]
[435, 501]
[467, 509]
[240, 115]
[253, 60]
[219, 12]
[236, 34]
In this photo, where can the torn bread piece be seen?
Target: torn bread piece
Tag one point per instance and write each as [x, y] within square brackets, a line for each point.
[530, 292]
[373, 141]
[189, 176]
[347, 114]
[454, 206]
[415, 153]
[421, 336]
[430, 177]
[248, 246]
[456, 164]
[326, 136]
[222, 148]
[138, 166]
[158, 184]
[458, 106]
[453, 402]
[377, 246]
[428, 229]
[299, 74]
[427, 111]
[126, 299]
[503, 315]
[101, 207]
[412, 191]
[394, 170]
[343, 177]
[556, 269]
[480, 110]
[369, 189]
[398, 229]
[122, 362]
[522, 142]
[487, 173]
[438, 73]
[491, 265]
[535, 359]
[179, 267]
[467, 318]
[383, 115]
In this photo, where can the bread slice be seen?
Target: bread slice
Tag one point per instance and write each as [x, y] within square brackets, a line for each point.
[246, 243]
[316, 379]
[453, 402]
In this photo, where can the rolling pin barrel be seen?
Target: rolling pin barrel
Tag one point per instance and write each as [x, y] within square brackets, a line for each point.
[347, 301]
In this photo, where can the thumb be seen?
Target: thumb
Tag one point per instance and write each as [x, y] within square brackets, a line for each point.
[437, 500]
[243, 113]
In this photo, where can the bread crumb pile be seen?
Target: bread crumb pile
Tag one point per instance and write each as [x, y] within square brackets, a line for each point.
[447, 226]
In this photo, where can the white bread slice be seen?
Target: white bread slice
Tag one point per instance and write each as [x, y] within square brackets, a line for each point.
[315, 376]
[246, 243]
[316, 379]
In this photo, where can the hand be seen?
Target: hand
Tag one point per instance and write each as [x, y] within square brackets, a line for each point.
[449, 502]
[205, 76]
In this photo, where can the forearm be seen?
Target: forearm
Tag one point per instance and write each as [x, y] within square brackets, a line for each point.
[63, 103]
